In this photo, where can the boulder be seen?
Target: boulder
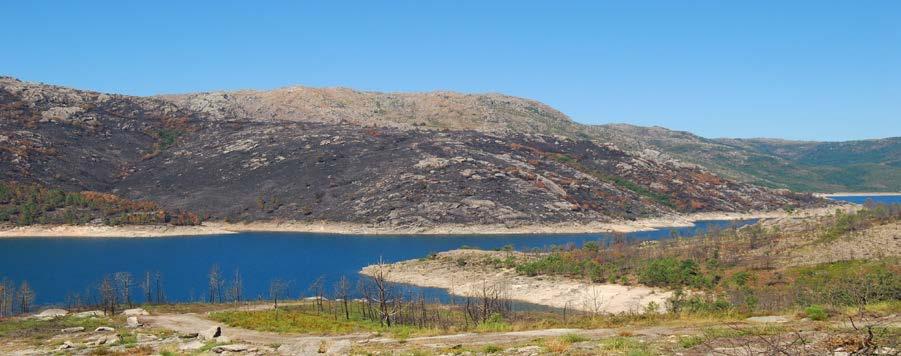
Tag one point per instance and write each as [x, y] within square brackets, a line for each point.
[527, 350]
[104, 329]
[234, 348]
[105, 340]
[75, 329]
[768, 319]
[60, 113]
[338, 347]
[132, 322]
[146, 338]
[211, 333]
[135, 312]
[305, 347]
[66, 345]
[193, 345]
[88, 314]
[51, 313]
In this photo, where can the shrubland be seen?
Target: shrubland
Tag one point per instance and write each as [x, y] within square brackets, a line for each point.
[24, 204]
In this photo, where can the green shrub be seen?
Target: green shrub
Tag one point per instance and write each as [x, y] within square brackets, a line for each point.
[168, 137]
[574, 338]
[562, 158]
[671, 272]
[816, 312]
[688, 342]
[490, 349]
[853, 283]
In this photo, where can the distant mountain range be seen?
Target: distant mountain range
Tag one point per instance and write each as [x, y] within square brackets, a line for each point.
[402, 159]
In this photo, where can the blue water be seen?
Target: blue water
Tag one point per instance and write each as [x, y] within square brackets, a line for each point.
[881, 199]
[56, 267]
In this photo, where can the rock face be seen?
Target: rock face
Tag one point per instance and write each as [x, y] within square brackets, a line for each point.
[334, 156]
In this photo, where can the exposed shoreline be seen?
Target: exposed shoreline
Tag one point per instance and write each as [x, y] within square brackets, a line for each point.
[858, 194]
[471, 279]
[326, 227]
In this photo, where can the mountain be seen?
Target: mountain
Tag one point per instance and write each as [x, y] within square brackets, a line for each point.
[801, 166]
[865, 166]
[347, 156]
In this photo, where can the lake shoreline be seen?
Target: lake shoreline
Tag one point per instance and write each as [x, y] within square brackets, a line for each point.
[340, 228]
[858, 194]
[477, 274]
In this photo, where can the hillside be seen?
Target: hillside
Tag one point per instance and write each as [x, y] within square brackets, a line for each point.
[801, 166]
[865, 165]
[493, 113]
[231, 167]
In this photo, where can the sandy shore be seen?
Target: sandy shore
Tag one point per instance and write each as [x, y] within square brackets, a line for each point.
[857, 194]
[101, 231]
[445, 271]
[218, 227]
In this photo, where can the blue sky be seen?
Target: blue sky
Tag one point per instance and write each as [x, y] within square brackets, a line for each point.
[823, 70]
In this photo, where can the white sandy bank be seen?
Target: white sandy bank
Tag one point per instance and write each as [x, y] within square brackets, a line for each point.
[219, 227]
[443, 271]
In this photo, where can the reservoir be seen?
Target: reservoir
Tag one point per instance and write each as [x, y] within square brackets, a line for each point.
[61, 267]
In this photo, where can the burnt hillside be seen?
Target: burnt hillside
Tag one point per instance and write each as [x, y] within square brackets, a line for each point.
[246, 168]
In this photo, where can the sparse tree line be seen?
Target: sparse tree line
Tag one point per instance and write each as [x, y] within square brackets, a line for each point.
[377, 299]
[389, 304]
[15, 299]
[112, 293]
[118, 290]
[28, 204]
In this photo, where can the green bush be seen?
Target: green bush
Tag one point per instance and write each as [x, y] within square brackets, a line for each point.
[816, 312]
[849, 282]
[562, 158]
[490, 349]
[698, 305]
[671, 272]
[690, 341]
[574, 338]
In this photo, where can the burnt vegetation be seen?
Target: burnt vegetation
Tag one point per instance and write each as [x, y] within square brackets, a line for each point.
[236, 168]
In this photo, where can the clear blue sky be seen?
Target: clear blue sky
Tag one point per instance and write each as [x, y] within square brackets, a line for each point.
[826, 70]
